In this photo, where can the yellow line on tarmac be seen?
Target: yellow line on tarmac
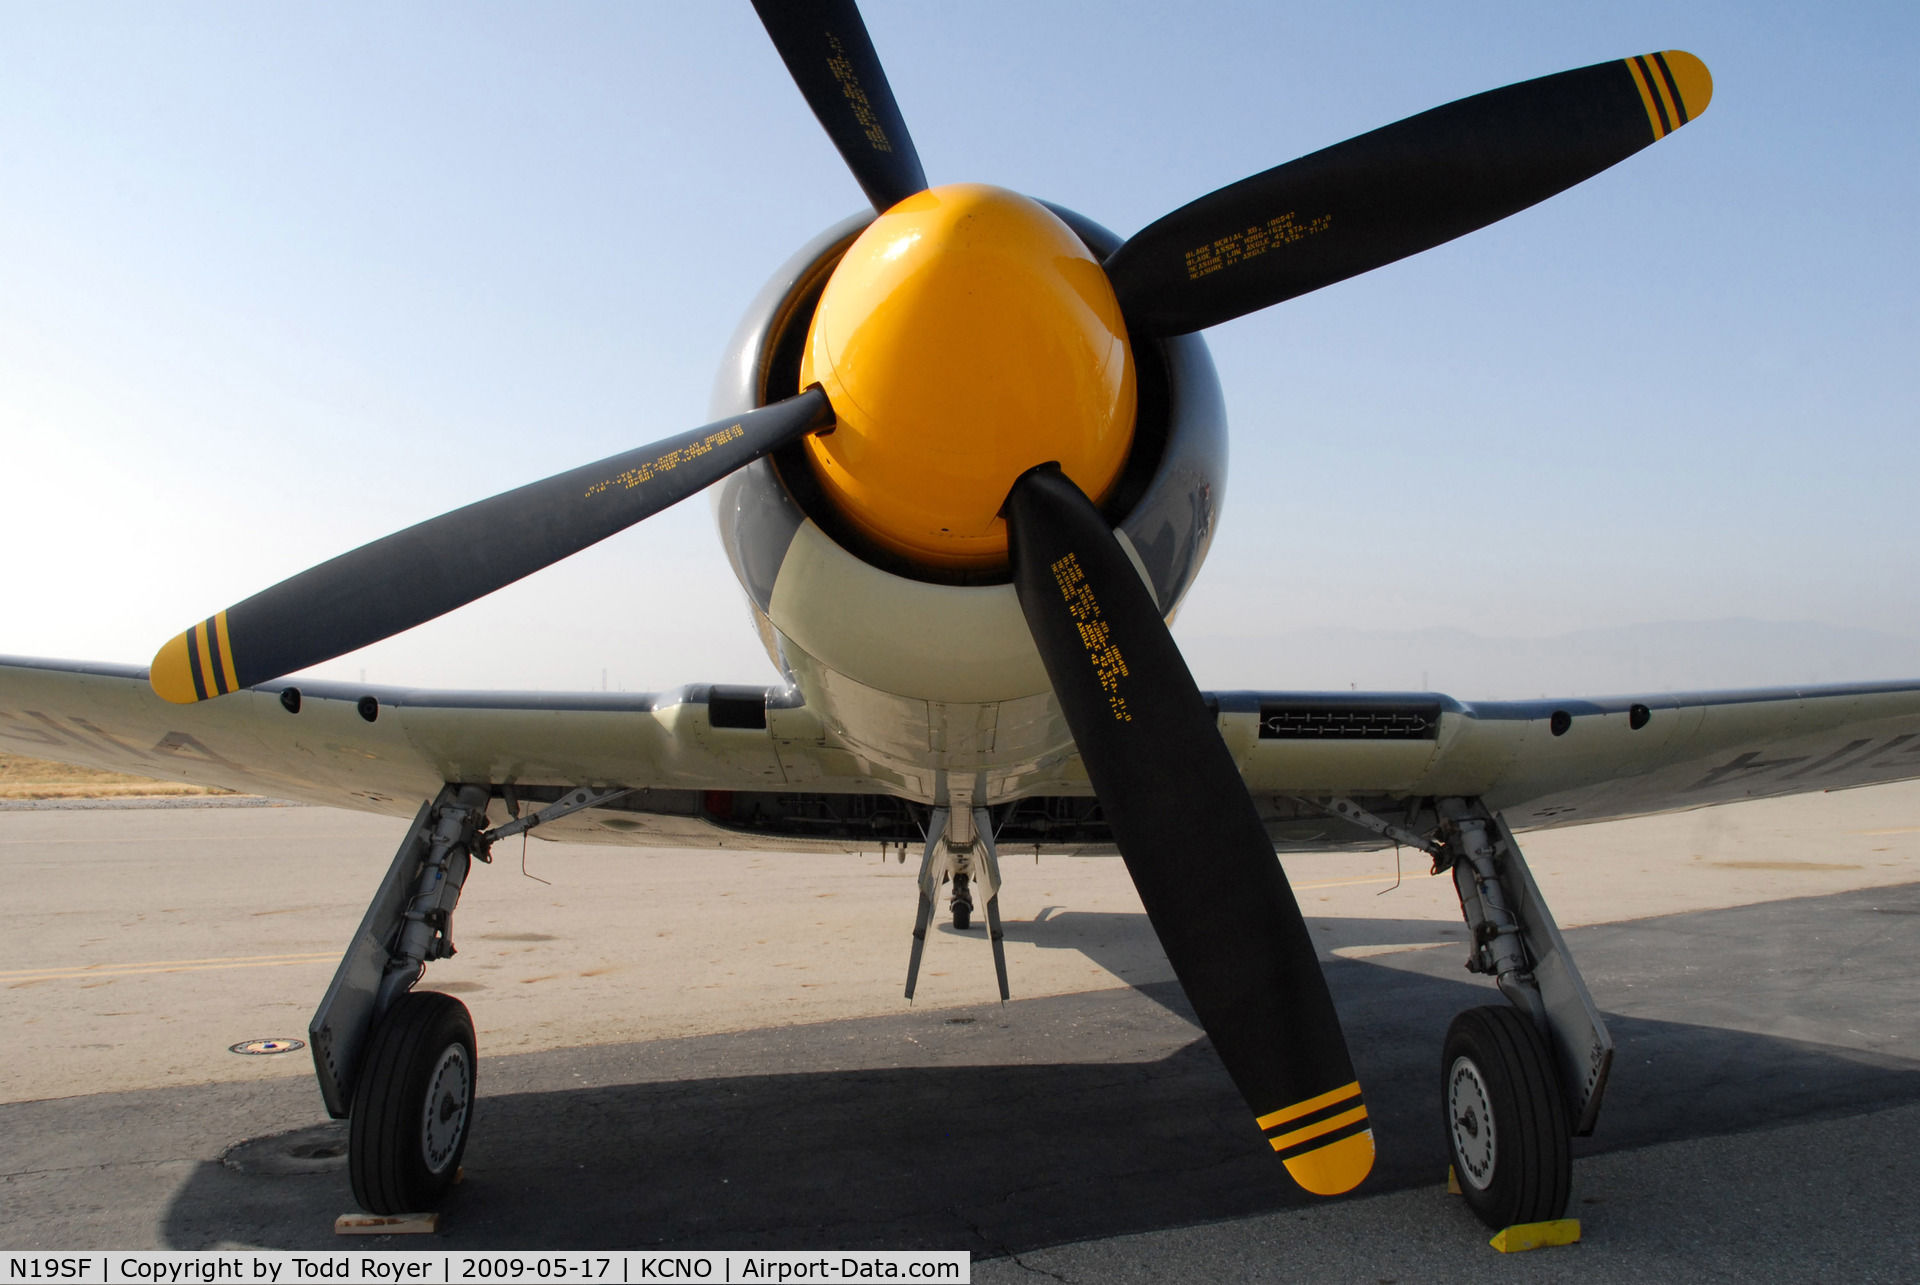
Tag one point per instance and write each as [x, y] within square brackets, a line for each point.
[1346, 883]
[162, 966]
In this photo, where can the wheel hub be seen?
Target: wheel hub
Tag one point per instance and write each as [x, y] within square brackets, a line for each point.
[444, 1121]
[1470, 1119]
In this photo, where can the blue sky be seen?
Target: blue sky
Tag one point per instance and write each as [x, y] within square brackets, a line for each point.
[280, 280]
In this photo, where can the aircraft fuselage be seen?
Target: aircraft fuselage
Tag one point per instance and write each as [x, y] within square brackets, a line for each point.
[928, 674]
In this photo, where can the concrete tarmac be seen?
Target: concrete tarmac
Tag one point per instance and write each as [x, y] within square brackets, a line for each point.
[709, 1050]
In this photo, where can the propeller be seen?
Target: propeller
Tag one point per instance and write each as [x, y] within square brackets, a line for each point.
[1188, 831]
[427, 570]
[831, 58]
[1396, 191]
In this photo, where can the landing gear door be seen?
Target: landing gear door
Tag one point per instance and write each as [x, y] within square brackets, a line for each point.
[1581, 1043]
[340, 1026]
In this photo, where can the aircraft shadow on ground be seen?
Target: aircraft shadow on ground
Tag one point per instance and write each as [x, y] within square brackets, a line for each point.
[1125, 945]
[999, 1158]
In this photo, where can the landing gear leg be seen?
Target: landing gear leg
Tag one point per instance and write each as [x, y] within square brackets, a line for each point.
[989, 880]
[932, 867]
[401, 1065]
[1516, 1082]
[973, 866]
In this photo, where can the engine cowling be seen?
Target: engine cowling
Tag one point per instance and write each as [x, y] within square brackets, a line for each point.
[906, 626]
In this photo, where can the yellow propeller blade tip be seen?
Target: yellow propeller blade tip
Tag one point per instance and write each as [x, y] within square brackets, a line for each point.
[1335, 1168]
[196, 665]
[1693, 78]
[171, 676]
[1674, 87]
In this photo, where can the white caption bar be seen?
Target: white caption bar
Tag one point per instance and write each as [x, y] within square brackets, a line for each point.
[356, 1267]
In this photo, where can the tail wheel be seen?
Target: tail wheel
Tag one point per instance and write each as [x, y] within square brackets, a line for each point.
[1505, 1119]
[962, 903]
[412, 1105]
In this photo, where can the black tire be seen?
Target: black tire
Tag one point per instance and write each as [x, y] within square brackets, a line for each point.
[403, 1149]
[962, 903]
[1505, 1119]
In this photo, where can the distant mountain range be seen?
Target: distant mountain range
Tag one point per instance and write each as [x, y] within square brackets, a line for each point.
[1661, 657]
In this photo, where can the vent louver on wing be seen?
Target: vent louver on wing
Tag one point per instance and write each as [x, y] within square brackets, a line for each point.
[1327, 720]
[740, 707]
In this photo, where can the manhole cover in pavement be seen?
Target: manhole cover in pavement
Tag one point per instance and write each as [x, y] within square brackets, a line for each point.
[257, 1048]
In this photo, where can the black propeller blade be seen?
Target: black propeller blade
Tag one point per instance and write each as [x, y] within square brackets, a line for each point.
[410, 577]
[1397, 191]
[826, 48]
[1188, 831]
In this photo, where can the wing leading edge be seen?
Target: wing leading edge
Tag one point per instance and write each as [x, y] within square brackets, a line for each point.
[744, 767]
[384, 749]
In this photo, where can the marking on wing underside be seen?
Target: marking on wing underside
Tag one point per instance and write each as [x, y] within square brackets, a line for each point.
[56, 729]
[57, 735]
[1745, 765]
[63, 734]
[1750, 763]
[109, 738]
[1830, 759]
[182, 745]
[1882, 752]
[66, 735]
[19, 730]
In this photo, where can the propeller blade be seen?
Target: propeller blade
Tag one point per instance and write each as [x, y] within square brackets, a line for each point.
[1188, 831]
[1397, 191]
[427, 570]
[826, 48]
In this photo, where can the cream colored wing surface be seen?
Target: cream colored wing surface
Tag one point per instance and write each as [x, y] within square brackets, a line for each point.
[1543, 763]
[385, 749]
[1549, 763]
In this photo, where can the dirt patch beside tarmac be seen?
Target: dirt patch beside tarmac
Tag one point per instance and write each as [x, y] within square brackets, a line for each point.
[30, 778]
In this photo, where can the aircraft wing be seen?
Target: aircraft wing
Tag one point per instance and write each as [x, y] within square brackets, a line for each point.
[1566, 762]
[385, 749]
[699, 754]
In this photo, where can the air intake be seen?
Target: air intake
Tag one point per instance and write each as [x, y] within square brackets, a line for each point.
[744, 707]
[1348, 721]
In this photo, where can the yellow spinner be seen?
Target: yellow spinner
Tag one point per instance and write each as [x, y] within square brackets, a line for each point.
[966, 336]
